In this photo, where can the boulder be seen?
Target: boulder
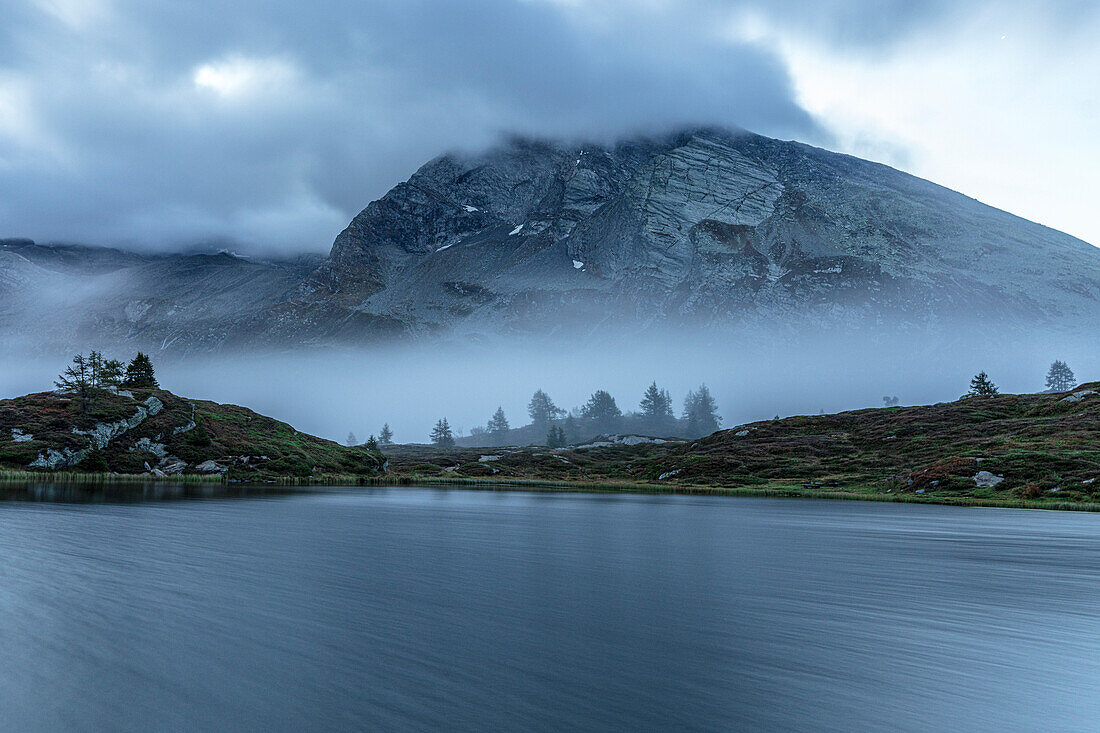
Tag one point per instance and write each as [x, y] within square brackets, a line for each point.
[172, 465]
[607, 441]
[145, 444]
[987, 479]
[211, 467]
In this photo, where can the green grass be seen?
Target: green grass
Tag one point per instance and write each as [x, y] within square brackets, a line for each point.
[100, 478]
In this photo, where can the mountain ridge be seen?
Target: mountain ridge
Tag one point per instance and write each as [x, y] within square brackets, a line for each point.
[704, 231]
[691, 221]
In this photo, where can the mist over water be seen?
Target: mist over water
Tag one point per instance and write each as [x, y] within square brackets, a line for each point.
[329, 392]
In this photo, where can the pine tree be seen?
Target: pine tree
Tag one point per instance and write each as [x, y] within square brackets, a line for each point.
[1060, 378]
[442, 435]
[981, 385]
[542, 410]
[95, 368]
[111, 374]
[76, 379]
[498, 427]
[569, 429]
[139, 373]
[352, 440]
[372, 443]
[689, 410]
[656, 407]
[555, 437]
[385, 437]
[602, 411]
[701, 413]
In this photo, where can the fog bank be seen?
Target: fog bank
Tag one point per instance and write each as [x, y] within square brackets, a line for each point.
[331, 393]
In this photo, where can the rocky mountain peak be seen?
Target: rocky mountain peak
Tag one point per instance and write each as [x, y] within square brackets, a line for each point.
[703, 226]
[703, 230]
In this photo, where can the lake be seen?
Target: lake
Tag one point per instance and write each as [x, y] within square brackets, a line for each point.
[418, 609]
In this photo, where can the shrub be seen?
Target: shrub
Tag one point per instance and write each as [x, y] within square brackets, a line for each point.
[1030, 491]
[95, 462]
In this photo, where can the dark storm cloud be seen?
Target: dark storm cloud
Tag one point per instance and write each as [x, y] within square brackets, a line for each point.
[156, 123]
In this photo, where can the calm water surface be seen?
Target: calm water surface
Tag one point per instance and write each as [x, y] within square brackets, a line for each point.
[409, 609]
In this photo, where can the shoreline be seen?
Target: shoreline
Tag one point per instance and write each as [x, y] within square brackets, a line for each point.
[547, 486]
[581, 487]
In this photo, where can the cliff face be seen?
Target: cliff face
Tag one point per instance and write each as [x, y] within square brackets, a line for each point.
[705, 228]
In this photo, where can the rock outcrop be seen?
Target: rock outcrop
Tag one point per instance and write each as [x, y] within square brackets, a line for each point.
[54, 460]
[103, 433]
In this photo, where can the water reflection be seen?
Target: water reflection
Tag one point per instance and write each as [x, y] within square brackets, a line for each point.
[133, 491]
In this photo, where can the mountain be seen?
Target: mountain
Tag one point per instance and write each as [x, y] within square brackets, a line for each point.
[157, 433]
[702, 232]
[702, 229]
[78, 295]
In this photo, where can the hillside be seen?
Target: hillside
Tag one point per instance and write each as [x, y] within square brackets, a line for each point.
[157, 433]
[183, 302]
[1006, 448]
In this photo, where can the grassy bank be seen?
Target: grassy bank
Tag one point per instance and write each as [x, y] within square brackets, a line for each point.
[550, 486]
[64, 477]
[1031, 450]
[792, 492]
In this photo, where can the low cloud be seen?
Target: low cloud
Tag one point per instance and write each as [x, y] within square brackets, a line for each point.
[160, 125]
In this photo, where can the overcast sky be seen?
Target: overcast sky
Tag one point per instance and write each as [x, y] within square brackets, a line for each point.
[269, 124]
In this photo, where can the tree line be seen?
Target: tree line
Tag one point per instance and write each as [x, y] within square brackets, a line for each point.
[556, 427]
[385, 437]
[1060, 378]
[601, 414]
[89, 377]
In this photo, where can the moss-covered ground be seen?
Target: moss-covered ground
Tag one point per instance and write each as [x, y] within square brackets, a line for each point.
[1045, 448]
